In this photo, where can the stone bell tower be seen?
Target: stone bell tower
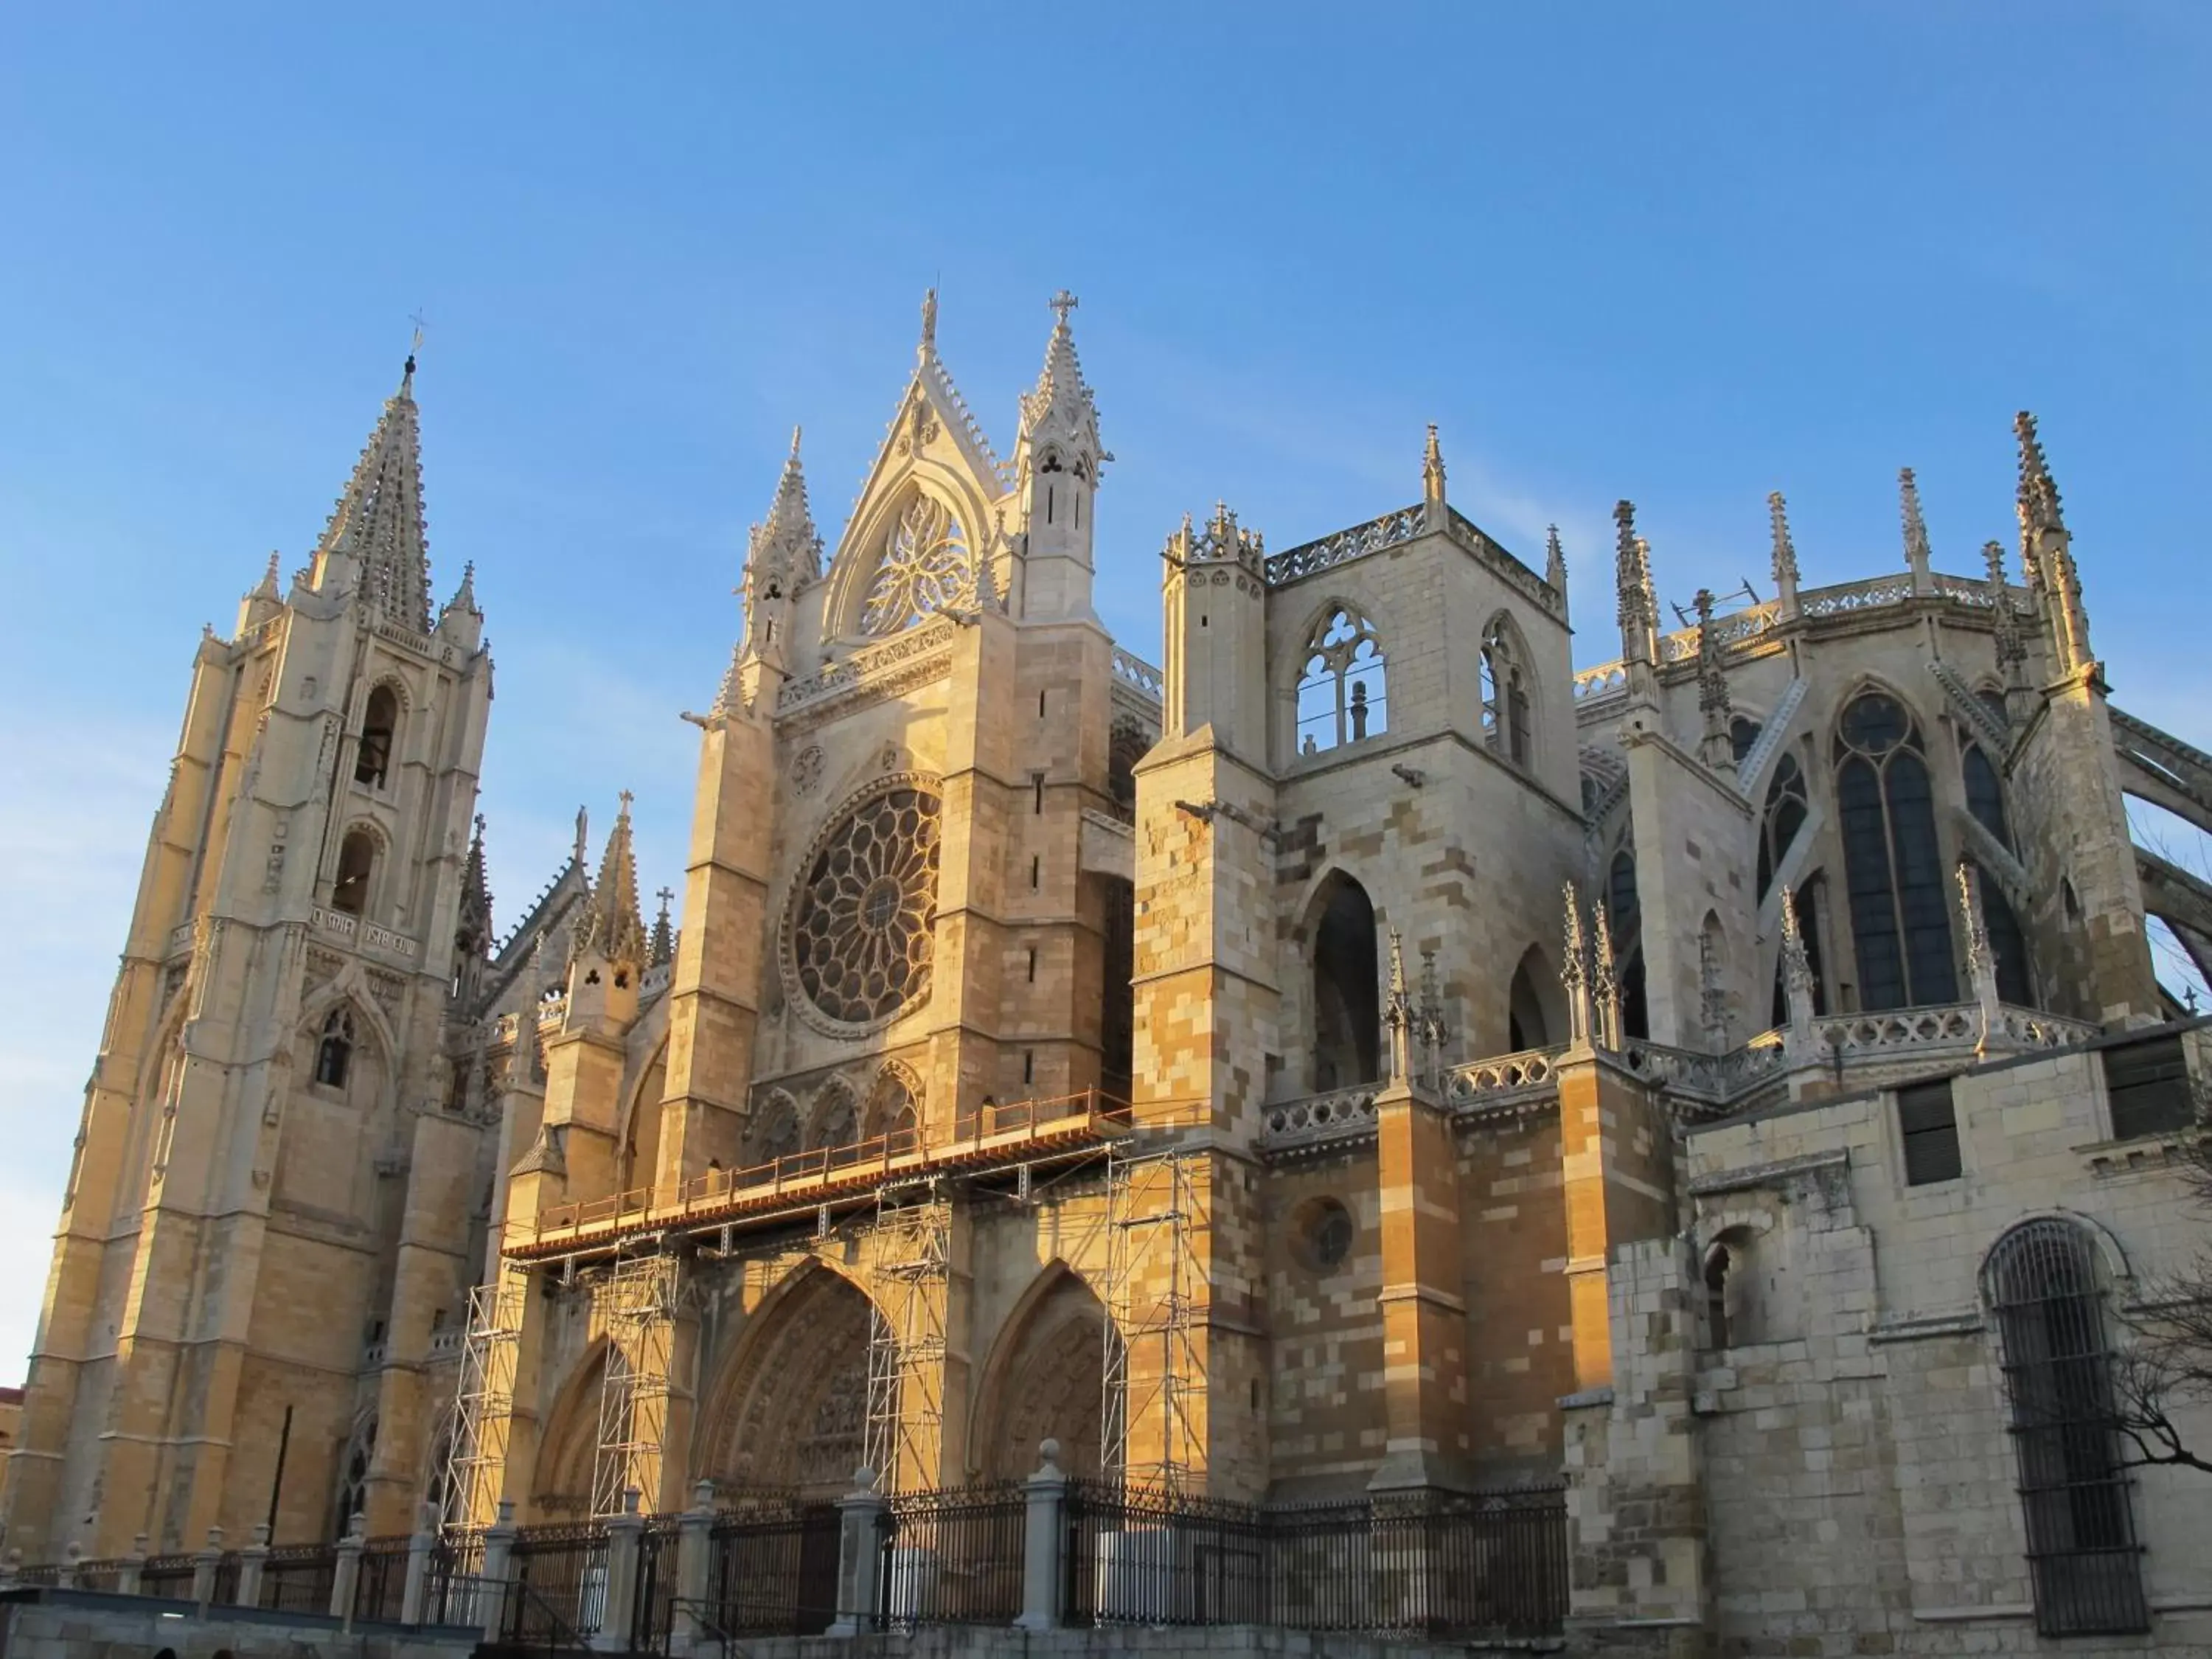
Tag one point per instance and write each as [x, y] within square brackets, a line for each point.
[244, 1277]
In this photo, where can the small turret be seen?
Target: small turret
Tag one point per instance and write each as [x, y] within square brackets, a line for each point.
[783, 556]
[1213, 590]
[608, 956]
[1057, 463]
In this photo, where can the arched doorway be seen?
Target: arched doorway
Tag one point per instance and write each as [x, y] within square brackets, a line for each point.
[792, 1413]
[1347, 1005]
[1044, 1381]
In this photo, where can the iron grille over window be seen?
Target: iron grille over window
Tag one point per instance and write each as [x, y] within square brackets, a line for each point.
[2148, 1085]
[1928, 1123]
[2082, 1557]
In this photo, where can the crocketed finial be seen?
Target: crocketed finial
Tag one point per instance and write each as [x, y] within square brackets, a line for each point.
[1916, 527]
[1785, 551]
[1432, 468]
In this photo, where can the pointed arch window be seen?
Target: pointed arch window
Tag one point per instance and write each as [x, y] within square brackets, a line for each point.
[1624, 919]
[356, 864]
[2008, 942]
[1787, 806]
[1894, 869]
[353, 1488]
[1505, 715]
[2041, 1282]
[1343, 693]
[378, 726]
[1347, 1010]
[334, 1052]
[1743, 732]
[1985, 794]
[927, 566]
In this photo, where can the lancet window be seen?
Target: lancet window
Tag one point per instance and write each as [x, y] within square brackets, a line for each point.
[379, 724]
[1787, 805]
[1343, 694]
[334, 1053]
[1899, 905]
[356, 864]
[928, 565]
[1505, 722]
[1624, 917]
[2041, 1282]
[1985, 794]
[1347, 1015]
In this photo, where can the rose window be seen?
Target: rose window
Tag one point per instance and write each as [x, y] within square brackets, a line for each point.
[860, 924]
[925, 568]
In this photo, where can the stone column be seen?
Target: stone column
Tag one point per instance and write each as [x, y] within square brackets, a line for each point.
[1424, 1310]
[695, 1547]
[72, 1566]
[419, 1543]
[251, 1562]
[622, 1532]
[345, 1574]
[1043, 1537]
[860, 1556]
[203, 1569]
[134, 1563]
[498, 1570]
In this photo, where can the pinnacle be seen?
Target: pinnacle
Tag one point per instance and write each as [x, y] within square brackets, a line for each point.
[788, 539]
[1060, 388]
[379, 520]
[1785, 551]
[613, 928]
[1915, 528]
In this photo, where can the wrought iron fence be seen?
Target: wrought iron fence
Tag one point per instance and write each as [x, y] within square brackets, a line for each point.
[452, 1581]
[560, 1573]
[105, 1575]
[1481, 1564]
[953, 1556]
[166, 1575]
[227, 1571]
[297, 1577]
[653, 1603]
[772, 1571]
[380, 1591]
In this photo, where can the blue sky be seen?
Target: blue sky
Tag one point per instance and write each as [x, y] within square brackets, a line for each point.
[1686, 255]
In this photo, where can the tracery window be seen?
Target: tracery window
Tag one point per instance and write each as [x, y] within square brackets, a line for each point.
[1505, 694]
[334, 1054]
[1985, 794]
[353, 1490]
[862, 919]
[1893, 870]
[927, 566]
[1787, 805]
[1343, 696]
[2041, 1282]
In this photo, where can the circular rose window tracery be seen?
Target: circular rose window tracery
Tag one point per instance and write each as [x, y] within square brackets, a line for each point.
[861, 920]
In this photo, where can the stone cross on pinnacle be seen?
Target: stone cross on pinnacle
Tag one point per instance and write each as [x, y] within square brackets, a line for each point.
[1062, 303]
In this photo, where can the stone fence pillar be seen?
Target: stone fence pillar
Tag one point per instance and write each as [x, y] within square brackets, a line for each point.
[498, 1571]
[420, 1542]
[205, 1565]
[345, 1575]
[615, 1617]
[252, 1560]
[72, 1573]
[1044, 1537]
[695, 1550]
[127, 1579]
[860, 1556]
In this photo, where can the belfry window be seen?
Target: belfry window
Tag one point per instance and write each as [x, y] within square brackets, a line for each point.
[378, 725]
[1899, 910]
[1787, 805]
[356, 864]
[1347, 1012]
[334, 1054]
[1505, 724]
[2085, 1565]
[1343, 694]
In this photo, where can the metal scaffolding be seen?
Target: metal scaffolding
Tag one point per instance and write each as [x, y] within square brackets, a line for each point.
[476, 1459]
[1153, 1372]
[638, 1302]
[913, 1241]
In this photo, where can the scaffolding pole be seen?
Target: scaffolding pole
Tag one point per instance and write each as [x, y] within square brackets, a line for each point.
[1152, 1370]
[483, 1404]
[639, 1311]
[913, 1241]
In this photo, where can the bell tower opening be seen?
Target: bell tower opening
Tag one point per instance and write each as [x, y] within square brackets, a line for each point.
[1347, 990]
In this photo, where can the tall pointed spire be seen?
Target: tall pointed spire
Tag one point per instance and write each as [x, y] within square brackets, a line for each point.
[787, 541]
[612, 927]
[662, 949]
[378, 524]
[472, 935]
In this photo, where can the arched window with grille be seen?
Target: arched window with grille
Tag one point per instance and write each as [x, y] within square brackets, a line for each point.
[1343, 690]
[2042, 1283]
[334, 1053]
[1893, 866]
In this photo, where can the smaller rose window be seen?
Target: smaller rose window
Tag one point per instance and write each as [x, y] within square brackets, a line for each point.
[860, 924]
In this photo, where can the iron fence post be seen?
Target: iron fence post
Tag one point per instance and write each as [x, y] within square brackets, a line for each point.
[498, 1570]
[251, 1561]
[695, 1544]
[345, 1576]
[418, 1564]
[126, 1579]
[1042, 1540]
[619, 1615]
[860, 1556]
[203, 1569]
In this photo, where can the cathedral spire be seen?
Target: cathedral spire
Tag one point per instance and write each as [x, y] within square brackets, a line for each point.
[612, 928]
[375, 539]
[1062, 399]
[787, 541]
